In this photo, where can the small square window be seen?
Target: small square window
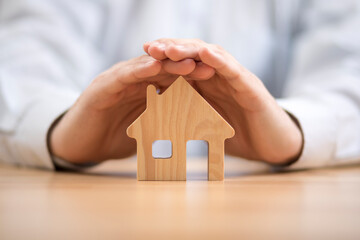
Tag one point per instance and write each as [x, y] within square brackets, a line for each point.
[162, 149]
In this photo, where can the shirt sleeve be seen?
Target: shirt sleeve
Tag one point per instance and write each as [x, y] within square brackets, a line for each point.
[48, 54]
[324, 84]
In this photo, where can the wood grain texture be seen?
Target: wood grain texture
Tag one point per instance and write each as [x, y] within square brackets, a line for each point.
[109, 203]
[179, 114]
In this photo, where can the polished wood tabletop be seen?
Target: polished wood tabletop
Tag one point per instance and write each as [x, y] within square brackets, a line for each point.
[109, 203]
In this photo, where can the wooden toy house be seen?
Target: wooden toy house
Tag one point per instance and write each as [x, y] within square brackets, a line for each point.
[179, 114]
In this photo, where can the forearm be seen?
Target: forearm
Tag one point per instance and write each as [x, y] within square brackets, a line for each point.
[84, 136]
[273, 135]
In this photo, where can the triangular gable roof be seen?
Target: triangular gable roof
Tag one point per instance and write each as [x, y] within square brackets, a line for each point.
[177, 89]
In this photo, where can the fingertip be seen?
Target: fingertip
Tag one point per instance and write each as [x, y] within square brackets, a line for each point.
[202, 72]
[154, 67]
[209, 57]
[183, 67]
[191, 65]
[208, 72]
[147, 69]
[146, 47]
[173, 52]
[205, 53]
[157, 51]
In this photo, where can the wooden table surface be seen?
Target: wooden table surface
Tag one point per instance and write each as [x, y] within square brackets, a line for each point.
[109, 203]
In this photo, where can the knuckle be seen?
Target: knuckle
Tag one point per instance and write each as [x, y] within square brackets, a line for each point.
[164, 40]
[160, 40]
[198, 40]
[218, 47]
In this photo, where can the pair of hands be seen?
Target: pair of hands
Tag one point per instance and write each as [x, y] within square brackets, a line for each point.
[94, 129]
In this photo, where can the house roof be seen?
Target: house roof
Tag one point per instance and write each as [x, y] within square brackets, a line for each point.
[183, 106]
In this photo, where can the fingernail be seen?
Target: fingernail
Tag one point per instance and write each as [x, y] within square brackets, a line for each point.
[180, 47]
[149, 63]
[161, 46]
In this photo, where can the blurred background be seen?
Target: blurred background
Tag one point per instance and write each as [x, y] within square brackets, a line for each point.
[51, 48]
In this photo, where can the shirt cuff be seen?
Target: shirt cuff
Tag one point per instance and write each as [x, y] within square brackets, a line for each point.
[59, 163]
[318, 124]
[63, 165]
[31, 138]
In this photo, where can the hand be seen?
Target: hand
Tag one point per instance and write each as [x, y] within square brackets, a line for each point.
[94, 129]
[264, 131]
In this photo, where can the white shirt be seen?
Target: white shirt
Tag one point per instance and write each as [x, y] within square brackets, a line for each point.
[306, 52]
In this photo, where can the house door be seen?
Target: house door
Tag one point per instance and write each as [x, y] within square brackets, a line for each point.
[197, 159]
